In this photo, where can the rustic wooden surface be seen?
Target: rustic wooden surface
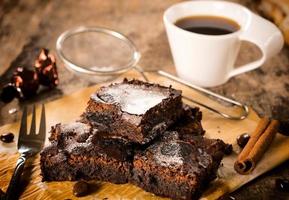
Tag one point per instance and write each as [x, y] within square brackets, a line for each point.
[227, 180]
[25, 26]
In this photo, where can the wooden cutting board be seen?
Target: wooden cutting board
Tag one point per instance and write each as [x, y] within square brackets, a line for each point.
[70, 107]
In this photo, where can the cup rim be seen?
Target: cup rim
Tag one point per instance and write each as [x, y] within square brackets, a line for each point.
[169, 23]
[82, 69]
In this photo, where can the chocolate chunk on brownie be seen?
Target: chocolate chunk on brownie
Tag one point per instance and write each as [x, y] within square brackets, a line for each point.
[189, 122]
[79, 151]
[134, 110]
[65, 133]
[177, 166]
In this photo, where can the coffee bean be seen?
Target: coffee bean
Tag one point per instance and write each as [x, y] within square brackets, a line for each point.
[7, 137]
[80, 189]
[282, 184]
[243, 139]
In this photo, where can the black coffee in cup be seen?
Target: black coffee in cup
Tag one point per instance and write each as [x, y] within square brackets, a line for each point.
[208, 25]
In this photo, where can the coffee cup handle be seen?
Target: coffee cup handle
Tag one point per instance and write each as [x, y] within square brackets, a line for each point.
[266, 36]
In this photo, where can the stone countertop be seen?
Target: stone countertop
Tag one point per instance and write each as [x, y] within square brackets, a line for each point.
[26, 26]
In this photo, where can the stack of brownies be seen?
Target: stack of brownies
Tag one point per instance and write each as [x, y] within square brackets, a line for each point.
[135, 132]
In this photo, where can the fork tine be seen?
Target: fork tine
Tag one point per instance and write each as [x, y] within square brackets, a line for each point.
[23, 125]
[42, 128]
[33, 123]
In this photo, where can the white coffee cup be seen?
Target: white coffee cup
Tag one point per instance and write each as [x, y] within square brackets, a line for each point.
[208, 60]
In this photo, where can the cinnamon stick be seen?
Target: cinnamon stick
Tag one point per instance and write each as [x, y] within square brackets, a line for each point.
[258, 143]
[261, 127]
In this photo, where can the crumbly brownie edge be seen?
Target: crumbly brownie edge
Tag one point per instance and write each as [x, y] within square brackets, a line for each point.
[57, 165]
[175, 187]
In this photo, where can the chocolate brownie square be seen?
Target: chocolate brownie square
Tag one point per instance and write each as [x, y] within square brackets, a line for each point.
[178, 166]
[77, 153]
[73, 136]
[134, 110]
[58, 165]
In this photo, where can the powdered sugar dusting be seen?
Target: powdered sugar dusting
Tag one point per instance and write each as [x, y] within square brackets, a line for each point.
[132, 98]
[74, 145]
[204, 162]
[169, 154]
[135, 100]
[75, 127]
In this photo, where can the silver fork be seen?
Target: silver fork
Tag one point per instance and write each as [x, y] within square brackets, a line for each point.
[28, 145]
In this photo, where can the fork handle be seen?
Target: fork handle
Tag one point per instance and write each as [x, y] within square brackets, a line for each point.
[11, 193]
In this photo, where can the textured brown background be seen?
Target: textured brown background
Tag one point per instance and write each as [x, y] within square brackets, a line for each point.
[25, 26]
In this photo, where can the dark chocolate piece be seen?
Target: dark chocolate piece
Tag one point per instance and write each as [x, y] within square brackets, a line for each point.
[26, 81]
[45, 66]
